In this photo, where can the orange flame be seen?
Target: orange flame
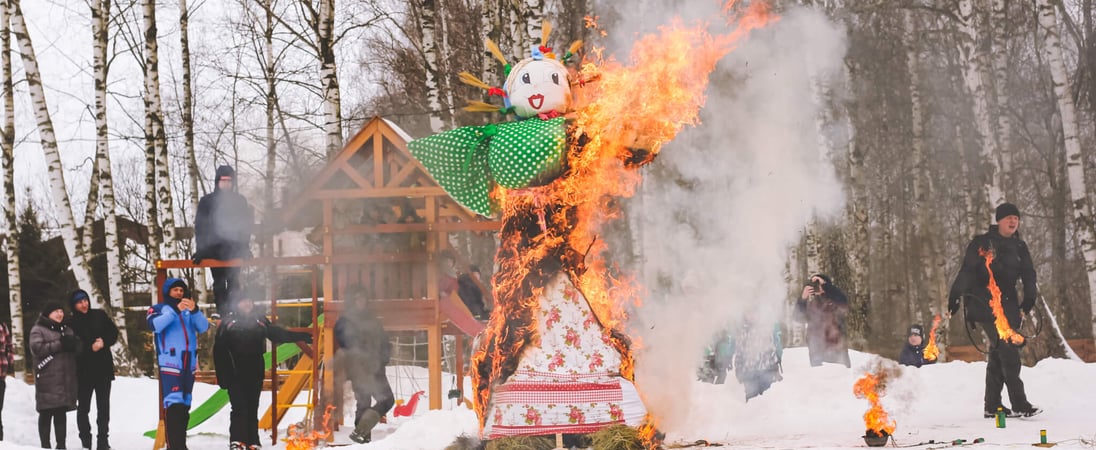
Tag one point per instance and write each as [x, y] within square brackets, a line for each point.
[648, 433]
[307, 440]
[619, 123]
[870, 387]
[931, 351]
[1004, 330]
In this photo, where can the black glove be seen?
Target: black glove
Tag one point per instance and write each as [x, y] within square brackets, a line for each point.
[69, 343]
[953, 306]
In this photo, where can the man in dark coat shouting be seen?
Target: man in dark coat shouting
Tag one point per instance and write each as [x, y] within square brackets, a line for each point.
[95, 366]
[222, 230]
[1011, 263]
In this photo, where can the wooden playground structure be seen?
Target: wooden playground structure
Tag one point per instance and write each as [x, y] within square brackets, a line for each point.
[381, 223]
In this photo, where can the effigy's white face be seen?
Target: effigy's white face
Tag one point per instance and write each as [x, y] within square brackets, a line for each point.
[539, 87]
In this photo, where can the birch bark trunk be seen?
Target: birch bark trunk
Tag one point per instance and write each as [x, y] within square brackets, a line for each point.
[48, 140]
[974, 75]
[329, 77]
[7, 147]
[1075, 170]
[115, 306]
[155, 114]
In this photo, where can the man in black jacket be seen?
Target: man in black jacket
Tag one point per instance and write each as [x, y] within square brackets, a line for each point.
[238, 357]
[222, 230]
[95, 366]
[1011, 263]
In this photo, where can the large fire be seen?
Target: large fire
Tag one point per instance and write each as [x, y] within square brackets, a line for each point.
[871, 387]
[931, 351]
[1004, 330]
[307, 440]
[619, 123]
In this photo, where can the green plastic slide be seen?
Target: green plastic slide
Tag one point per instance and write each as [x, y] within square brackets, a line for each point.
[220, 398]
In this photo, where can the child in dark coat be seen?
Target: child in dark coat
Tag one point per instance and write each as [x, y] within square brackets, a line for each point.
[758, 350]
[913, 353]
[238, 356]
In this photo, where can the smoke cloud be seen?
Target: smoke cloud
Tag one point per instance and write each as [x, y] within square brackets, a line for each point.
[719, 211]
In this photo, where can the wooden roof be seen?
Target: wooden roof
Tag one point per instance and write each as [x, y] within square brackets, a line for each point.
[374, 164]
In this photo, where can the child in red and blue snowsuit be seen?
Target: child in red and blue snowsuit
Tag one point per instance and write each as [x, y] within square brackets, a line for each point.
[176, 323]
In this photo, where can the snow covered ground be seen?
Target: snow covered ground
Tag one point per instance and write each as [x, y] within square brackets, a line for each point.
[810, 408]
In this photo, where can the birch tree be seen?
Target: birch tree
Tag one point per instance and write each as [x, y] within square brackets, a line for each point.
[156, 133]
[329, 77]
[999, 28]
[430, 17]
[7, 147]
[48, 141]
[115, 305]
[1075, 170]
[974, 76]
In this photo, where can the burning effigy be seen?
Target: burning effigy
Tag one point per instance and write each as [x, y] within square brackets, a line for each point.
[555, 357]
[878, 425]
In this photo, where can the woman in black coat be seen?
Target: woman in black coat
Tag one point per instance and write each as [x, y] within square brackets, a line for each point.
[53, 345]
[238, 356]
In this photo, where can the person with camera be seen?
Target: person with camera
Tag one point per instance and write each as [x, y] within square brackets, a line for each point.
[176, 322]
[824, 307]
[1011, 263]
[54, 345]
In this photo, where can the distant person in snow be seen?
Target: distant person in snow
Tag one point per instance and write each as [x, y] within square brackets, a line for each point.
[758, 351]
[238, 357]
[1011, 263]
[364, 351]
[222, 230]
[54, 345]
[824, 307]
[7, 367]
[913, 353]
[176, 323]
[718, 358]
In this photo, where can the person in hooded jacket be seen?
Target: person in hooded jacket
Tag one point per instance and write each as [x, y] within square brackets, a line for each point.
[176, 322]
[97, 334]
[238, 357]
[364, 352]
[54, 346]
[1011, 263]
[7, 358]
[758, 351]
[913, 353]
[824, 307]
[222, 230]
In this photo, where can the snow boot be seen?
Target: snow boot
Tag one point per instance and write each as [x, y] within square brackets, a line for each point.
[363, 429]
[989, 414]
[1029, 412]
[237, 445]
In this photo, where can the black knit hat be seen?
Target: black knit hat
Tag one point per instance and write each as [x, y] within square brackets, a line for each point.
[51, 307]
[1005, 210]
[226, 171]
[916, 330]
[77, 296]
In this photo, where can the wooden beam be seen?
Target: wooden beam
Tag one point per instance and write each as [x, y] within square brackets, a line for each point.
[426, 191]
[493, 225]
[378, 157]
[352, 146]
[356, 177]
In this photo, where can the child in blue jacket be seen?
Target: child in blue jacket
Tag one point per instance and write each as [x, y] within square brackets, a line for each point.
[176, 322]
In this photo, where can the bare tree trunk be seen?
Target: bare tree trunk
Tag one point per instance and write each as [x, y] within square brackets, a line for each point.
[492, 28]
[329, 77]
[856, 234]
[90, 207]
[154, 111]
[974, 75]
[188, 105]
[999, 21]
[266, 239]
[114, 306]
[1075, 170]
[431, 51]
[48, 139]
[7, 146]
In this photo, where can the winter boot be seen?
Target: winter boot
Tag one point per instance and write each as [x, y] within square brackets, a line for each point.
[175, 423]
[237, 445]
[363, 429]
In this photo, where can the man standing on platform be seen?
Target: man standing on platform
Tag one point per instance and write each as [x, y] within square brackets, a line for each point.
[222, 230]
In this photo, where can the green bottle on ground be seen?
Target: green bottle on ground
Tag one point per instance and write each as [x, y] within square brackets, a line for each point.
[1000, 417]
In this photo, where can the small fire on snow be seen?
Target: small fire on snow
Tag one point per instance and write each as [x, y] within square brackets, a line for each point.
[872, 386]
[306, 440]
